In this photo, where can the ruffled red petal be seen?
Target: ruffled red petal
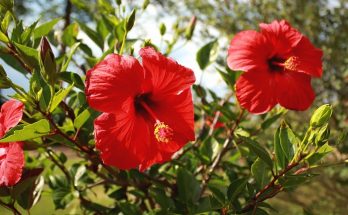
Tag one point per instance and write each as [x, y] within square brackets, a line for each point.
[255, 91]
[123, 138]
[11, 163]
[112, 81]
[281, 35]
[248, 50]
[309, 58]
[294, 90]
[11, 114]
[164, 76]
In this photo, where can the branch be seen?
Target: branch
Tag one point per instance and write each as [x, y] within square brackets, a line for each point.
[224, 150]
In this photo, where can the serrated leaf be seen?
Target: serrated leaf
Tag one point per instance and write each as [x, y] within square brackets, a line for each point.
[59, 96]
[45, 28]
[207, 54]
[27, 132]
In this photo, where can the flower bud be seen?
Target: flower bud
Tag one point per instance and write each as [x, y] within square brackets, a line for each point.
[190, 28]
[162, 28]
[130, 21]
[118, 2]
[321, 116]
[145, 4]
[47, 62]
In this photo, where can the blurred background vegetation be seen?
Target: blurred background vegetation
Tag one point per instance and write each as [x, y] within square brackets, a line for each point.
[325, 22]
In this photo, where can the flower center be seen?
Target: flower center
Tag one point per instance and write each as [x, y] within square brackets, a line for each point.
[163, 133]
[278, 64]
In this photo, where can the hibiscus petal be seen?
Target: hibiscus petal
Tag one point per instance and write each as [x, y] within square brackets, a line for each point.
[167, 77]
[309, 58]
[281, 35]
[123, 138]
[176, 111]
[255, 91]
[248, 50]
[112, 81]
[11, 163]
[294, 90]
[11, 114]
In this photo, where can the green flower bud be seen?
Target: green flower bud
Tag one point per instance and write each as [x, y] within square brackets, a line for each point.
[145, 4]
[321, 116]
[190, 28]
[162, 29]
[130, 21]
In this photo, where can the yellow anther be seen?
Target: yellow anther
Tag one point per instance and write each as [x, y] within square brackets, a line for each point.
[163, 132]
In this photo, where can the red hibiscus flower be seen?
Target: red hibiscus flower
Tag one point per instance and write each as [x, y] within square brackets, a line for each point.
[279, 63]
[11, 154]
[148, 110]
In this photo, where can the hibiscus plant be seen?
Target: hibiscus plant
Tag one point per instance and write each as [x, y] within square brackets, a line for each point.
[131, 130]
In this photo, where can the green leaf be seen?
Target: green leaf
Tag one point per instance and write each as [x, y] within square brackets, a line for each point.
[236, 188]
[207, 54]
[270, 120]
[161, 198]
[62, 192]
[261, 172]
[82, 118]
[3, 37]
[6, 5]
[59, 96]
[279, 154]
[291, 181]
[6, 21]
[45, 28]
[27, 132]
[25, 36]
[71, 53]
[70, 33]
[258, 150]
[188, 187]
[318, 155]
[92, 34]
[287, 141]
[71, 77]
[28, 191]
[29, 55]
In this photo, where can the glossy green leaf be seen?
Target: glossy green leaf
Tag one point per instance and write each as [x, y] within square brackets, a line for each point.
[45, 28]
[29, 55]
[207, 54]
[70, 33]
[3, 37]
[92, 34]
[71, 77]
[27, 132]
[6, 21]
[82, 118]
[279, 154]
[70, 55]
[287, 141]
[59, 96]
